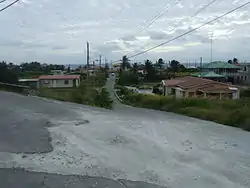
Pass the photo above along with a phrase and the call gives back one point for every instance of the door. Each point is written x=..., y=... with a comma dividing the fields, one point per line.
x=74, y=83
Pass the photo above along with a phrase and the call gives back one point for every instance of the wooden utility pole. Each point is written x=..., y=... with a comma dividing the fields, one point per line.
x=201, y=65
x=211, y=47
x=87, y=58
x=100, y=61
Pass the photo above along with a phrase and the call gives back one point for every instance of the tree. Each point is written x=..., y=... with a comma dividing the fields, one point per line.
x=160, y=63
x=125, y=63
x=128, y=78
x=235, y=61
x=7, y=75
x=230, y=61
x=182, y=68
x=135, y=67
x=150, y=70
x=174, y=65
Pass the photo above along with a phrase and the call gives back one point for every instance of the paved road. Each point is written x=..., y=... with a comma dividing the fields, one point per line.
x=46, y=143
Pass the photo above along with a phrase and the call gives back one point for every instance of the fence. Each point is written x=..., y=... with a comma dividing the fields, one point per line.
x=15, y=88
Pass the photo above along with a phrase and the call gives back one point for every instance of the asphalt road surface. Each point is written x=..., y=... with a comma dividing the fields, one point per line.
x=51, y=144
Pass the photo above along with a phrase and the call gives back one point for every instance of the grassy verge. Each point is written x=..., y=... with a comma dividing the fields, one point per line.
x=90, y=92
x=227, y=112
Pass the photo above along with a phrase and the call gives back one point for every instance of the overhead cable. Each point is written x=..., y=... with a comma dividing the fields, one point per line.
x=2, y=1
x=9, y=5
x=149, y=22
x=204, y=7
x=190, y=31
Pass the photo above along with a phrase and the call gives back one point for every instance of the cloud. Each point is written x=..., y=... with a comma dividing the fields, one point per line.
x=57, y=32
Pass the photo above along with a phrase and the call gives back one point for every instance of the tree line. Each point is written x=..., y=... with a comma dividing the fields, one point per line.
x=149, y=71
x=10, y=72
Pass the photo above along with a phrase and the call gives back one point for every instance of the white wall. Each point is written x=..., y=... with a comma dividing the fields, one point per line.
x=61, y=83
x=58, y=83
x=236, y=95
x=178, y=93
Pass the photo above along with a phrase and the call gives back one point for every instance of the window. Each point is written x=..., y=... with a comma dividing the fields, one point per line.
x=245, y=77
x=66, y=82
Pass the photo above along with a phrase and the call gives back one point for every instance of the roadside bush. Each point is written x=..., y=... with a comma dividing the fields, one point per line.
x=227, y=112
x=245, y=93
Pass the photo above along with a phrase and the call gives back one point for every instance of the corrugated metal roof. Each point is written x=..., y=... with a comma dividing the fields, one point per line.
x=195, y=83
x=59, y=77
x=219, y=65
x=29, y=80
x=210, y=74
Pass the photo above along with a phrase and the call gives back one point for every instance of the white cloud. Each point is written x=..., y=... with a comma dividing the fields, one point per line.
x=56, y=32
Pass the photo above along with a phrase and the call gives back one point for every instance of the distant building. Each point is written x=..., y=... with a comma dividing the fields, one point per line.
x=59, y=81
x=229, y=71
x=210, y=75
x=243, y=76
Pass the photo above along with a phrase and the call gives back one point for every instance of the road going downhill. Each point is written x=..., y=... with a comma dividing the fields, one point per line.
x=46, y=143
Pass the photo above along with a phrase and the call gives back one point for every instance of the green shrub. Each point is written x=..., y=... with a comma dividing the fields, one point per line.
x=227, y=112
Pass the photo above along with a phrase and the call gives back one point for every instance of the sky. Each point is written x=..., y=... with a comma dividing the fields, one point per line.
x=56, y=31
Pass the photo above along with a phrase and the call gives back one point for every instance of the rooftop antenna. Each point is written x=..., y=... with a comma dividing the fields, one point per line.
x=211, y=46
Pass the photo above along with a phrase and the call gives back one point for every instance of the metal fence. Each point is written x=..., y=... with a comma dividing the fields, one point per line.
x=15, y=88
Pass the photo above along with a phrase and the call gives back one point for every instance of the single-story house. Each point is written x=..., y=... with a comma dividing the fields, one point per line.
x=194, y=87
x=59, y=81
x=211, y=75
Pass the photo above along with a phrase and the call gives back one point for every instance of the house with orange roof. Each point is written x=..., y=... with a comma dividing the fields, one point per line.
x=194, y=87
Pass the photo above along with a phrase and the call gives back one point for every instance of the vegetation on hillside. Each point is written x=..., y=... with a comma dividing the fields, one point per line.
x=9, y=72
x=227, y=112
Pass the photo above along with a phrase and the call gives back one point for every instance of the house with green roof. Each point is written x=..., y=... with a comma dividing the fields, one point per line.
x=210, y=75
x=229, y=71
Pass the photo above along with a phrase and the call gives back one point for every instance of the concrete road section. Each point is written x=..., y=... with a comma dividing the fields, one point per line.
x=59, y=144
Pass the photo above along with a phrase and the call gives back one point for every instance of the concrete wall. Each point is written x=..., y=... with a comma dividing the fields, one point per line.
x=168, y=90
x=236, y=95
x=178, y=93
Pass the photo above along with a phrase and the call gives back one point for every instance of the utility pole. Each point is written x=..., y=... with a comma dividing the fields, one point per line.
x=100, y=61
x=200, y=65
x=211, y=47
x=106, y=61
x=87, y=58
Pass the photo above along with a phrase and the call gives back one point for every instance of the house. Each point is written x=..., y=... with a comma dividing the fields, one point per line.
x=194, y=87
x=222, y=68
x=59, y=81
x=116, y=67
x=243, y=76
x=210, y=75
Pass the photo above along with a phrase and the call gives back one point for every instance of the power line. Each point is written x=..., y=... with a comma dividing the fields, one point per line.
x=199, y=11
x=3, y=1
x=153, y=20
x=203, y=8
x=190, y=31
x=9, y=5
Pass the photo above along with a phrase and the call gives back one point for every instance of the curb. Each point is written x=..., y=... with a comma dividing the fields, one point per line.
x=118, y=97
